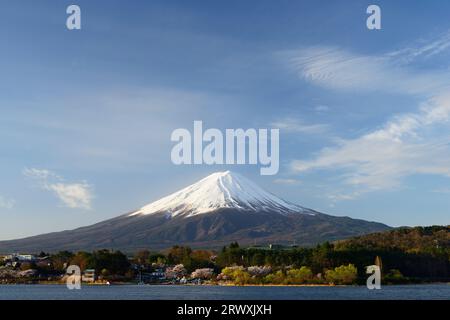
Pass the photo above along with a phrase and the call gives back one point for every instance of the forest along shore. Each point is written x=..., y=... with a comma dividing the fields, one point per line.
x=405, y=255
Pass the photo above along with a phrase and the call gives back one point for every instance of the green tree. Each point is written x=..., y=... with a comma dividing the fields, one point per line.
x=394, y=276
x=179, y=255
x=61, y=260
x=321, y=257
x=299, y=276
x=115, y=261
x=258, y=258
x=82, y=259
x=275, y=278
x=342, y=275
x=234, y=245
x=142, y=257
x=104, y=273
x=237, y=274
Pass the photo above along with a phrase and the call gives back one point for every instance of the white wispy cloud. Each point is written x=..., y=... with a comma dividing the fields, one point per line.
x=6, y=203
x=297, y=125
x=337, y=68
x=41, y=174
x=406, y=145
x=422, y=49
x=288, y=181
x=442, y=190
x=335, y=197
x=72, y=195
x=321, y=108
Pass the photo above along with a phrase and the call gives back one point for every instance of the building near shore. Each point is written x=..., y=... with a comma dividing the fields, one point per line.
x=20, y=257
x=88, y=275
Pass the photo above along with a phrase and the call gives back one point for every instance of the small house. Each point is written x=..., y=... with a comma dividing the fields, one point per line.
x=88, y=275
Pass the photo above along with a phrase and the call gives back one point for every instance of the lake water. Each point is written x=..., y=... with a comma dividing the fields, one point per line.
x=168, y=292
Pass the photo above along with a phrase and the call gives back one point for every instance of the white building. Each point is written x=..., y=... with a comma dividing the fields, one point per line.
x=19, y=257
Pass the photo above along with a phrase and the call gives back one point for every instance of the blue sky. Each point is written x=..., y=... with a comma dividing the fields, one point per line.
x=86, y=116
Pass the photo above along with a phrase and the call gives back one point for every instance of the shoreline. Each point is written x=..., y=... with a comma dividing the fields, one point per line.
x=216, y=285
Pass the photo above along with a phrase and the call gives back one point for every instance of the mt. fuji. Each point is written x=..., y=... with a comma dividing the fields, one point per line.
x=218, y=191
x=219, y=209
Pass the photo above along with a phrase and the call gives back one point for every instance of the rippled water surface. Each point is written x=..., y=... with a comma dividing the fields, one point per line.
x=152, y=292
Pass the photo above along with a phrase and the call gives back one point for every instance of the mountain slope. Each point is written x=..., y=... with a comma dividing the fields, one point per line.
x=412, y=239
x=221, y=208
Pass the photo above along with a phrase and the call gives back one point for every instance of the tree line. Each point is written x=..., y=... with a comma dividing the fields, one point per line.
x=404, y=255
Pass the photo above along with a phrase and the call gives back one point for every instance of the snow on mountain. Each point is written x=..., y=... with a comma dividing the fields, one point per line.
x=220, y=190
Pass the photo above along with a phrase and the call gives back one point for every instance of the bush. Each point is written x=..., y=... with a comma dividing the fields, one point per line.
x=228, y=273
x=299, y=276
x=237, y=274
x=242, y=277
x=394, y=276
x=275, y=278
x=104, y=272
x=342, y=275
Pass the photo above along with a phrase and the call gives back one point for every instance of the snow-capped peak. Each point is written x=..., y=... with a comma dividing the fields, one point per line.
x=220, y=190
